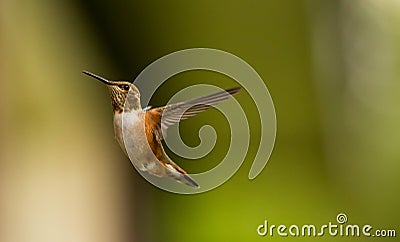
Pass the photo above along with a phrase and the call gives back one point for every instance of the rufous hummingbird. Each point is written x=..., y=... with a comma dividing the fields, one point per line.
x=149, y=125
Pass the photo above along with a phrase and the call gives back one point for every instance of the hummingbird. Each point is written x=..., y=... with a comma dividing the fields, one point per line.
x=149, y=125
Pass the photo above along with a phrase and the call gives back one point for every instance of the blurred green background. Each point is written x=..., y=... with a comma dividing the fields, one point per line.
x=332, y=68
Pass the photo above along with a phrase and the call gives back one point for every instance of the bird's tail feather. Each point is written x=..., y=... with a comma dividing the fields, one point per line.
x=177, y=173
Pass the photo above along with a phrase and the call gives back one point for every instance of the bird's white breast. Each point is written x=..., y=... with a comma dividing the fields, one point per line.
x=129, y=128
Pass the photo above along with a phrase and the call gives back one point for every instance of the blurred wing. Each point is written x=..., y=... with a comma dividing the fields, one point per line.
x=174, y=113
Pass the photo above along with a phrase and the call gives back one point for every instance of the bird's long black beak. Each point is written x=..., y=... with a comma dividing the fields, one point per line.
x=102, y=79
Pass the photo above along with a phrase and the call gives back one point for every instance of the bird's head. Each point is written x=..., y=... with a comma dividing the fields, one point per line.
x=119, y=93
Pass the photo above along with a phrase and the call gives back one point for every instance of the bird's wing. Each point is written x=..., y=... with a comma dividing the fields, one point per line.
x=157, y=121
x=174, y=113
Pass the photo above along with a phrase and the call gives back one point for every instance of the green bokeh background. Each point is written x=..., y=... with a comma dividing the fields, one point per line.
x=332, y=68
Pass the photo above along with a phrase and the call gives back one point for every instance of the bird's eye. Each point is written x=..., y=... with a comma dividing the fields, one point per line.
x=124, y=87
